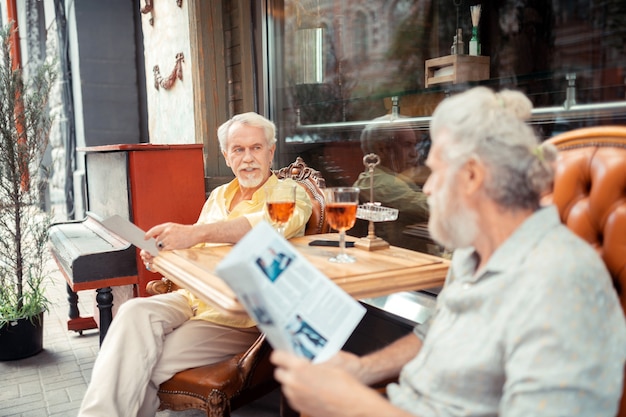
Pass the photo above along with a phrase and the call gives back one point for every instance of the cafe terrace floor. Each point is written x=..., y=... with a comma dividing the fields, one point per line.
x=53, y=382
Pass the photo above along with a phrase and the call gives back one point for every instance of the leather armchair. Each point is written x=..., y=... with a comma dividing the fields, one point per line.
x=590, y=193
x=224, y=386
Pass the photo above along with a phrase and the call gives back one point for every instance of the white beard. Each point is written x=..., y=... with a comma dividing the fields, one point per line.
x=250, y=180
x=451, y=224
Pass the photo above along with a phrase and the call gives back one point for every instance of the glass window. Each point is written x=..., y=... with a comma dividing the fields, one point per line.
x=360, y=38
x=339, y=66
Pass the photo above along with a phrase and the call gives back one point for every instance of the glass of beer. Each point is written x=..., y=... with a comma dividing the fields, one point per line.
x=341, y=205
x=280, y=201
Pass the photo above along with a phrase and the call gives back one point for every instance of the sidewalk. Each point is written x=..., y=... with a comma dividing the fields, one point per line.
x=53, y=382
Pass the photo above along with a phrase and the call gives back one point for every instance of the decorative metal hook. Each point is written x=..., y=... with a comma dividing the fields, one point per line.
x=149, y=8
x=373, y=211
x=371, y=160
x=177, y=72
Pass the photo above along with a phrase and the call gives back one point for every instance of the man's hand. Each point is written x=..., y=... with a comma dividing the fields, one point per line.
x=349, y=362
x=170, y=236
x=324, y=389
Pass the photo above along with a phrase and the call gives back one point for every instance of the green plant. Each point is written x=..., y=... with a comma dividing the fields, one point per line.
x=24, y=128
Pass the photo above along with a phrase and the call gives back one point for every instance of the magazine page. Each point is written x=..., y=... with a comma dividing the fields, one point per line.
x=294, y=304
x=131, y=233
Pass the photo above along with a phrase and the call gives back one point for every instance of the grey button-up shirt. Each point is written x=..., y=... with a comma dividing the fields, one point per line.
x=538, y=332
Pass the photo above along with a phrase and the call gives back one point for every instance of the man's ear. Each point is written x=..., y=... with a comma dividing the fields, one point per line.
x=225, y=158
x=273, y=151
x=381, y=149
x=473, y=175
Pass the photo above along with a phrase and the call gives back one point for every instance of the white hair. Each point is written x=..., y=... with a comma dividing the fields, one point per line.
x=248, y=119
x=490, y=127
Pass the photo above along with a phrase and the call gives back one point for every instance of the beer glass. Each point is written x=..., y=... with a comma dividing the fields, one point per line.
x=280, y=201
x=341, y=205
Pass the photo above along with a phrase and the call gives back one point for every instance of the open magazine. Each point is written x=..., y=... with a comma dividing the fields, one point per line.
x=298, y=308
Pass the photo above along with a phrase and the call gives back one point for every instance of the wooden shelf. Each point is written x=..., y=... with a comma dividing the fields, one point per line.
x=456, y=69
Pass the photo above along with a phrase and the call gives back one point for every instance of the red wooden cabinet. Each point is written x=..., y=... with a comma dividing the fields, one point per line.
x=148, y=184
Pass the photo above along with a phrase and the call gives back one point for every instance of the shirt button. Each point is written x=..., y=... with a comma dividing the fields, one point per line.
x=467, y=286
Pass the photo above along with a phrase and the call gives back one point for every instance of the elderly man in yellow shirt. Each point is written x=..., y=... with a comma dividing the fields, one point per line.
x=153, y=338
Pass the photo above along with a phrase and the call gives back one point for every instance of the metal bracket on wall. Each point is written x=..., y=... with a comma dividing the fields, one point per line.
x=177, y=72
x=149, y=8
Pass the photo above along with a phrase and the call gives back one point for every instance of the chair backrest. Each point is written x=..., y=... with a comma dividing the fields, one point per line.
x=590, y=193
x=313, y=182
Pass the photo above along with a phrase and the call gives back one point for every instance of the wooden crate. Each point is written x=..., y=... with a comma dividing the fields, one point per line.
x=456, y=69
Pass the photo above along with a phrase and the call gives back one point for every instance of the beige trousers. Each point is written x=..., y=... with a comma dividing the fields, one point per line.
x=150, y=339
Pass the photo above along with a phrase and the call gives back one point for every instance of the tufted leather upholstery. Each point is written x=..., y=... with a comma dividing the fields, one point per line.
x=224, y=386
x=313, y=182
x=590, y=193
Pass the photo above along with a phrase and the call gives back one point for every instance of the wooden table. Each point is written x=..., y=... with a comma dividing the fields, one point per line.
x=374, y=274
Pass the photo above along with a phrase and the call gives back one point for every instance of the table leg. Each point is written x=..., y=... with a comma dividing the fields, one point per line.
x=104, y=298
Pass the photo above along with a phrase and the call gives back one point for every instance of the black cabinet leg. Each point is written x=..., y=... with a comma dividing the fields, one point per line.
x=72, y=298
x=104, y=298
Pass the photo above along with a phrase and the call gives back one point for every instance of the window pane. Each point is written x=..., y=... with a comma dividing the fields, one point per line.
x=338, y=65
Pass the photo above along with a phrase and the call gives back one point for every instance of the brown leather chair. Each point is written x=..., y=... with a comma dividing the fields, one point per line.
x=224, y=386
x=590, y=193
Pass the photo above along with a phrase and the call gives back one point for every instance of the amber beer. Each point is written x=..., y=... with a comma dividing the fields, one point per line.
x=341, y=216
x=280, y=211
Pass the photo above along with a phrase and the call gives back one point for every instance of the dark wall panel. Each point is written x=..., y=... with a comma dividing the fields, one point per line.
x=111, y=72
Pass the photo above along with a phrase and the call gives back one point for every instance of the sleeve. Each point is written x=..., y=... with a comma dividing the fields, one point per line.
x=301, y=214
x=397, y=193
x=211, y=210
x=421, y=329
x=255, y=217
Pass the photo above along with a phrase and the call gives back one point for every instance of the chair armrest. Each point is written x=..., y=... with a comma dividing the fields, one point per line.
x=160, y=286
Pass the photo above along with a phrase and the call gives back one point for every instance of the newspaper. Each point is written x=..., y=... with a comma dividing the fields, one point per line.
x=131, y=233
x=298, y=308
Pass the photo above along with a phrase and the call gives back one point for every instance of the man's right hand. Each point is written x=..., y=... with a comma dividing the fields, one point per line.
x=170, y=236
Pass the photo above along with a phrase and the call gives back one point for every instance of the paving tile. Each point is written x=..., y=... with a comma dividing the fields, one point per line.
x=64, y=410
x=8, y=392
x=29, y=388
x=63, y=383
x=23, y=403
x=37, y=413
x=76, y=392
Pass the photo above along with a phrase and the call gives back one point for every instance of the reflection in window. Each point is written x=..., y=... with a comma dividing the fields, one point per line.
x=563, y=54
x=377, y=49
x=309, y=66
x=360, y=38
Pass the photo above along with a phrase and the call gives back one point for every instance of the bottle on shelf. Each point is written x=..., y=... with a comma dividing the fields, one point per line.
x=457, y=43
x=474, y=45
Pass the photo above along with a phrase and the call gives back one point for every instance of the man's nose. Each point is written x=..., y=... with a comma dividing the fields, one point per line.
x=247, y=155
x=427, y=188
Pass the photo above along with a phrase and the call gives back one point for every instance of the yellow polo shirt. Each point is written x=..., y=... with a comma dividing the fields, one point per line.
x=216, y=209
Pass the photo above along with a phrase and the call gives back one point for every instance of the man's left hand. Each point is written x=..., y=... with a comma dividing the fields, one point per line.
x=323, y=389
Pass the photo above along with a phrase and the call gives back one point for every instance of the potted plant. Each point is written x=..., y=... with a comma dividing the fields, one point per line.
x=24, y=127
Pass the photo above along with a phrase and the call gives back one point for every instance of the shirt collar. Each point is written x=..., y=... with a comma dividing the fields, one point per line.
x=513, y=250
x=258, y=195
